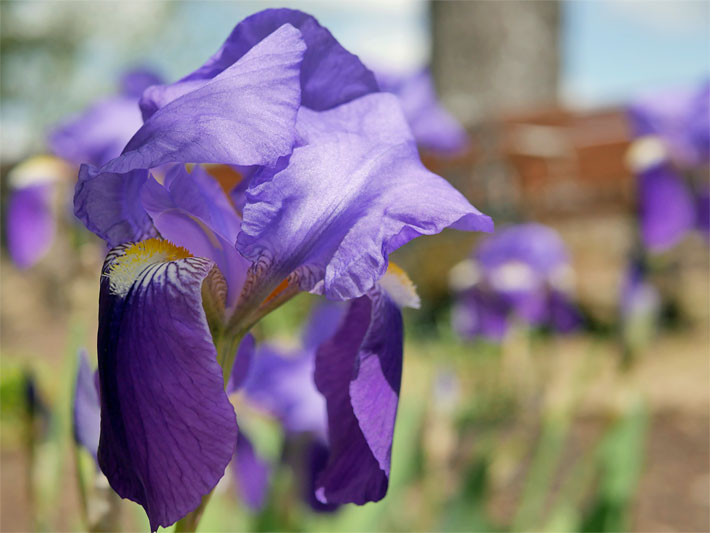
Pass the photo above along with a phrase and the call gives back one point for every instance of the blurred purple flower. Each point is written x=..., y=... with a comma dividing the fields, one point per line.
x=99, y=133
x=432, y=125
x=521, y=273
x=31, y=219
x=86, y=419
x=673, y=130
x=338, y=186
x=666, y=207
x=680, y=118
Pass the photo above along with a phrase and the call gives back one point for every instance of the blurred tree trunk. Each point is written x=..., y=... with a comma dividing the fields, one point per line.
x=492, y=55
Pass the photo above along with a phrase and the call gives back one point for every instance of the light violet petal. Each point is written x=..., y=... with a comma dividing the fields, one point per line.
x=109, y=205
x=245, y=115
x=352, y=193
x=330, y=75
x=86, y=408
x=191, y=210
x=251, y=474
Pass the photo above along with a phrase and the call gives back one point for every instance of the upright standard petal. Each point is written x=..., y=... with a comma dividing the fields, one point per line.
x=168, y=429
x=359, y=372
x=666, y=208
x=245, y=115
x=86, y=409
x=191, y=210
x=330, y=75
x=350, y=195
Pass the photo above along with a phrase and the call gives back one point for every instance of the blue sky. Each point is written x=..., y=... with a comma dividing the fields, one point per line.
x=612, y=50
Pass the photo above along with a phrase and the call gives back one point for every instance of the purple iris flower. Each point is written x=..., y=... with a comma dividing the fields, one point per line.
x=673, y=132
x=520, y=273
x=432, y=125
x=95, y=135
x=666, y=207
x=680, y=118
x=30, y=221
x=335, y=186
x=99, y=133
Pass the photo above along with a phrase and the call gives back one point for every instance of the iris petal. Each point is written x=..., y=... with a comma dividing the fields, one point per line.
x=330, y=75
x=350, y=195
x=359, y=372
x=191, y=210
x=667, y=208
x=31, y=225
x=87, y=409
x=168, y=429
x=244, y=116
x=251, y=474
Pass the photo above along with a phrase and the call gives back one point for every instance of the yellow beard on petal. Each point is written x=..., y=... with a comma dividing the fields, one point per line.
x=126, y=268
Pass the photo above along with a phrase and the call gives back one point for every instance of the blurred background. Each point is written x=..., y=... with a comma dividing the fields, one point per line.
x=570, y=110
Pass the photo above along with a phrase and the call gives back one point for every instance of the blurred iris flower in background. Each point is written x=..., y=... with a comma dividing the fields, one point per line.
x=520, y=274
x=336, y=185
x=434, y=128
x=39, y=187
x=670, y=158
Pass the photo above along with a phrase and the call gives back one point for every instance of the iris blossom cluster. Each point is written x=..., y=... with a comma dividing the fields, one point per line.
x=95, y=135
x=521, y=273
x=671, y=155
x=331, y=184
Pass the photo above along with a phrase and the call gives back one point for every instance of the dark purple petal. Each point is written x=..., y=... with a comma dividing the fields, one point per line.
x=168, y=429
x=191, y=210
x=330, y=75
x=109, y=205
x=251, y=474
x=283, y=386
x=481, y=313
x=316, y=459
x=245, y=115
x=242, y=364
x=666, y=207
x=98, y=134
x=30, y=223
x=359, y=373
x=86, y=408
x=432, y=125
x=353, y=193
